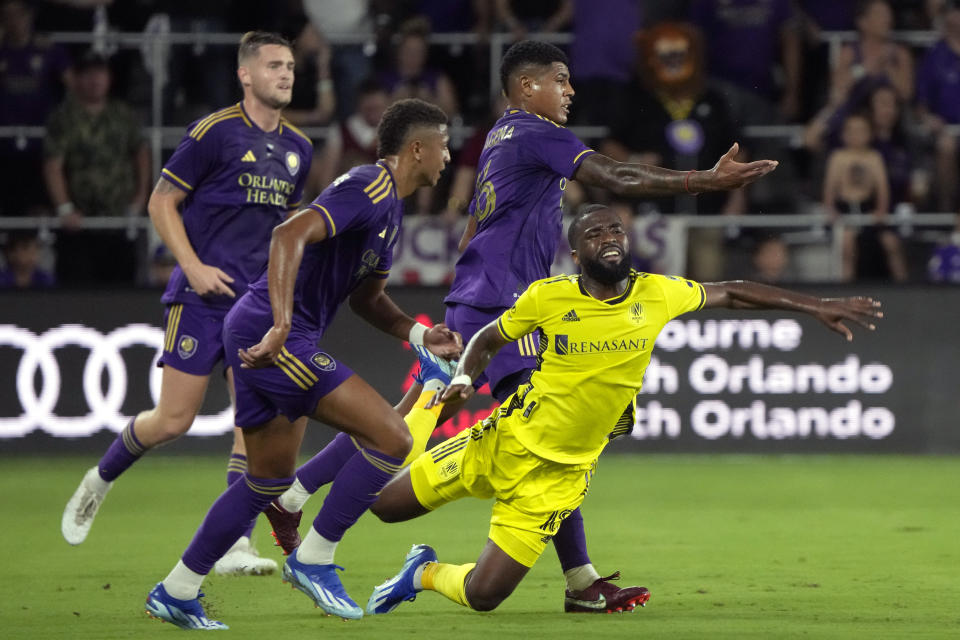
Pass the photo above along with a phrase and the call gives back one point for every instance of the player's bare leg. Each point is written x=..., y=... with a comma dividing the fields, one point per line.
x=181, y=395
x=381, y=442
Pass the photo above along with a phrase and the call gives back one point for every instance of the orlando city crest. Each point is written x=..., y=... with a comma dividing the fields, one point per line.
x=292, y=161
x=187, y=346
x=323, y=362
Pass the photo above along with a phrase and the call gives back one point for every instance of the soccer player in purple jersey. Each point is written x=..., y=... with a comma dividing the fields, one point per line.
x=511, y=240
x=340, y=247
x=234, y=177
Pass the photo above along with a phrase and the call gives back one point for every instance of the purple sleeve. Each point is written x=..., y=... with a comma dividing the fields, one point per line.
x=557, y=148
x=344, y=207
x=191, y=161
x=384, y=264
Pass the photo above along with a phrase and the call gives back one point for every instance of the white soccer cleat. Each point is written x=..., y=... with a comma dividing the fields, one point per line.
x=82, y=508
x=243, y=560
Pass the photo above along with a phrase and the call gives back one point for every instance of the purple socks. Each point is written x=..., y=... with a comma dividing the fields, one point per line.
x=354, y=489
x=236, y=467
x=322, y=468
x=232, y=514
x=121, y=455
x=570, y=541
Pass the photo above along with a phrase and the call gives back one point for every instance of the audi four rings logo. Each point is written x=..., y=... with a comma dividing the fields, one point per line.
x=39, y=354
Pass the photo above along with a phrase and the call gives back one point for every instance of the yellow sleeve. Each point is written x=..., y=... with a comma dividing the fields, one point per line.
x=523, y=317
x=682, y=295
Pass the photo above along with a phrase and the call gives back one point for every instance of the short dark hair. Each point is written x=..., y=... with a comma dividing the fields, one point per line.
x=400, y=118
x=528, y=52
x=573, y=231
x=251, y=42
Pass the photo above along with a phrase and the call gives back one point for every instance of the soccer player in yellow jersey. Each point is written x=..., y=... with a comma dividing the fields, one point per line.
x=536, y=455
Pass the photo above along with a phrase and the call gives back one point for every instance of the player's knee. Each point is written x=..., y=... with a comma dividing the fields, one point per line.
x=160, y=428
x=396, y=440
x=486, y=595
x=484, y=601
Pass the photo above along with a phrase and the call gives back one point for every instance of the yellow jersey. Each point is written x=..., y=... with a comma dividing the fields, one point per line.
x=591, y=358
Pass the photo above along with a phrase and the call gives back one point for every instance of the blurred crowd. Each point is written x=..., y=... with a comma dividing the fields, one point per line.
x=865, y=125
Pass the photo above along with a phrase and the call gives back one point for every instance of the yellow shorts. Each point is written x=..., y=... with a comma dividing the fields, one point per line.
x=533, y=495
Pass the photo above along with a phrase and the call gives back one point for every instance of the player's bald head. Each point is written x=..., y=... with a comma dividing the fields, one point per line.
x=528, y=56
x=580, y=220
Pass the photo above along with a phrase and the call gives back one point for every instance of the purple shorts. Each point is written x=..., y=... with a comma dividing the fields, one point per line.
x=514, y=358
x=192, y=340
x=292, y=387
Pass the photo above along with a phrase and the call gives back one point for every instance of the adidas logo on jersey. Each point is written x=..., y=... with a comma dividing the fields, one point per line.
x=248, y=157
x=571, y=316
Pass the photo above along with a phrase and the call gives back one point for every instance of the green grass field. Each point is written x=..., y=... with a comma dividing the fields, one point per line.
x=770, y=547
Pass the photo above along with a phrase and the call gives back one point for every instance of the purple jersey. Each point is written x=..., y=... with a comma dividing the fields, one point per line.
x=523, y=170
x=240, y=182
x=363, y=216
x=938, y=82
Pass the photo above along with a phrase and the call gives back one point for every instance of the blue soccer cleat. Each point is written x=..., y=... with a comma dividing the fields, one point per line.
x=322, y=584
x=387, y=596
x=433, y=367
x=186, y=614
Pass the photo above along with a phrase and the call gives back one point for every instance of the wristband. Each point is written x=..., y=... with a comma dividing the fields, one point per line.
x=463, y=379
x=686, y=183
x=64, y=209
x=416, y=334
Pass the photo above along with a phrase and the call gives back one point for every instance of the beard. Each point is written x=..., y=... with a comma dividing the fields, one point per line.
x=275, y=101
x=606, y=273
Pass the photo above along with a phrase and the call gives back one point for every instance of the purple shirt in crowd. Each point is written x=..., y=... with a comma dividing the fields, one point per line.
x=938, y=82
x=743, y=39
x=240, y=182
x=831, y=15
x=603, y=48
x=363, y=216
x=522, y=173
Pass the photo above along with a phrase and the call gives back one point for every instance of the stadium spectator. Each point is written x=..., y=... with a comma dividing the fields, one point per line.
x=944, y=265
x=819, y=16
x=314, y=99
x=32, y=72
x=352, y=141
x=747, y=41
x=22, y=268
x=521, y=17
x=235, y=175
x=874, y=58
x=938, y=101
x=602, y=58
x=770, y=260
x=678, y=122
x=350, y=64
x=893, y=138
x=536, y=457
x=411, y=76
x=96, y=163
x=856, y=183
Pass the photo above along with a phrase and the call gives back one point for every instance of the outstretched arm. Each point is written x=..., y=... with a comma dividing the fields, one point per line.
x=371, y=302
x=641, y=180
x=832, y=312
x=286, y=253
x=481, y=348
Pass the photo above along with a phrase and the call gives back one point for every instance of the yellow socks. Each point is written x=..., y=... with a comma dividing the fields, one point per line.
x=421, y=423
x=449, y=580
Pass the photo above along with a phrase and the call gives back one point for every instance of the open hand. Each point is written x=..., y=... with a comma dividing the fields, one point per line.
x=729, y=174
x=861, y=310
x=456, y=392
